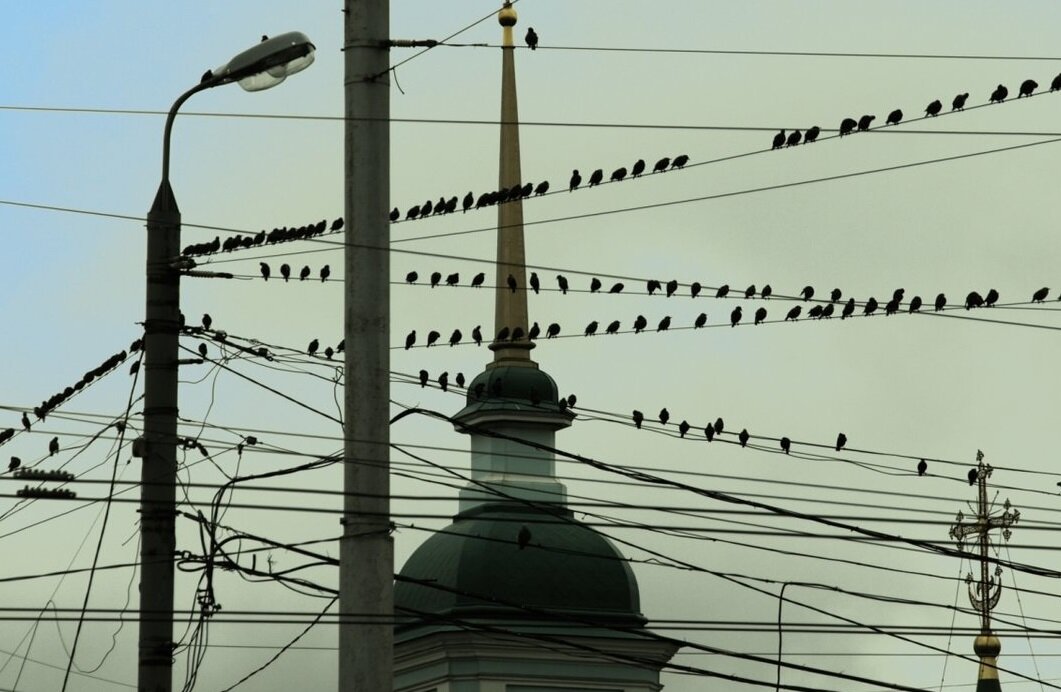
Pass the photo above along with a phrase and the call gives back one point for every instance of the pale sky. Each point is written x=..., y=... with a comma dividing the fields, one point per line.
x=909, y=386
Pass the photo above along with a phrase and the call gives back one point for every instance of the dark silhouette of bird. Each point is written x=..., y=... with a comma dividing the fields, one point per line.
x=701, y=320
x=591, y=328
x=661, y=165
x=679, y=161
x=894, y=117
x=898, y=294
x=664, y=324
x=807, y=292
x=672, y=286
x=467, y=202
x=870, y=306
x=750, y=291
x=432, y=337
x=933, y=109
x=414, y=211
x=915, y=304
x=827, y=311
x=786, y=444
x=534, y=333
x=425, y=210
x=265, y=270
x=973, y=475
x=562, y=282
x=638, y=169
x=847, y=126
x=423, y=378
x=410, y=339
x=694, y=289
x=793, y=314
x=734, y=317
x=511, y=281
x=683, y=428
x=460, y=379
x=958, y=104
x=202, y=350
x=552, y=330
x=865, y=121
x=722, y=291
x=502, y=335
x=849, y=309
x=811, y=134
x=443, y=381
x=652, y=285
x=523, y=538
x=394, y=215
x=313, y=346
x=478, y=279
x=25, y=421
x=612, y=328
x=133, y=369
x=639, y=324
x=535, y=284
x=709, y=432
x=285, y=271
x=594, y=285
x=576, y=180
x=453, y=279
x=999, y=94
x=1040, y=295
x=53, y=446
x=891, y=307
x=841, y=440
x=991, y=298
x=436, y=277
x=477, y=335
x=941, y=301
x=639, y=418
x=835, y=295
x=794, y=138
x=719, y=426
x=1027, y=87
x=541, y=188
x=922, y=466
x=207, y=320
x=779, y=140
x=616, y=288
x=304, y=273
x=411, y=277
x=743, y=436
x=531, y=38
x=816, y=311
x=618, y=174
x=766, y=292
x=664, y=416
x=14, y=463
x=326, y=271
x=760, y=315
x=973, y=300
x=596, y=177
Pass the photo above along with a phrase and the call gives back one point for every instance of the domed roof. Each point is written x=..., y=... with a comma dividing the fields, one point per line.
x=566, y=569
x=507, y=388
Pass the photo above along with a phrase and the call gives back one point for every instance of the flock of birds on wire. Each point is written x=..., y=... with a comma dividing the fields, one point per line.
x=277, y=235
x=850, y=125
x=522, y=191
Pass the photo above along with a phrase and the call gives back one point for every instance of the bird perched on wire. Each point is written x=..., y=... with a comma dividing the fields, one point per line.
x=616, y=288
x=541, y=188
x=744, y=436
x=922, y=466
x=202, y=350
x=304, y=274
x=265, y=270
x=870, y=307
x=477, y=335
x=326, y=271
x=596, y=177
x=394, y=215
x=894, y=117
x=618, y=174
x=991, y=298
x=652, y=285
x=683, y=428
x=552, y=330
x=973, y=300
x=865, y=121
x=999, y=94
x=1040, y=295
x=915, y=304
x=779, y=140
x=313, y=346
x=735, y=316
x=53, y=446
x=436, y=277
x=453, y=279
x=638, y=418
x=591, y=328
x=638, y=169
x=576, y=180
x=841, y=440
x=594, y=285
x=933, y=109
x=411, y=277
x=816, y=312
x=807, y=292
x=14, y=463
x=443, y=381
x=661, y=165
x=613, y=328
x=694, y=289
x=460, y=379
x=432, y=337
x=534, y=332
x=639, y=324
x=958, y=104
x=760, y=315
x=722, y=291
x=793, y=314
x=664, y=415
x=25, y=421
x=1027, y=87
x=502, y=335
x=811, y=134
x=531, y=38
x=701, y=320
x=794, y=138
x=410, y=339
x=973, y=475
x=847, y=126
x=664, y=324
x=786, y=444
x=511, y=280
x=285, y=271
x=672, y=286
x=423, y=378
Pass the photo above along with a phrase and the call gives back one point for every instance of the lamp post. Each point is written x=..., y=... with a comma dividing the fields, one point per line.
x=263, y=66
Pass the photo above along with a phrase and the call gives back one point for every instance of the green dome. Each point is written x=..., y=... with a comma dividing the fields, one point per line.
x=526, y=389
x=566, y=569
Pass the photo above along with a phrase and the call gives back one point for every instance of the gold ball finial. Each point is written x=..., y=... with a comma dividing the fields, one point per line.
x=507, y=15
x=987, y=645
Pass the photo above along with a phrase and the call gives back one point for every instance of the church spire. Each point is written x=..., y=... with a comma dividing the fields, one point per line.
x=510, y=309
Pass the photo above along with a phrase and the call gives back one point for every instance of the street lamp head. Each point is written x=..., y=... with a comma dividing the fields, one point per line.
x=268, y=63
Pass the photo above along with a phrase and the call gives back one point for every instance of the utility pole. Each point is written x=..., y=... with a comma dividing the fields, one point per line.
x=985, y=592
x=366, y=552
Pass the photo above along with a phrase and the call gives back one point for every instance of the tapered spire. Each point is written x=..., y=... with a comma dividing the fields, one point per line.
x=510, y=309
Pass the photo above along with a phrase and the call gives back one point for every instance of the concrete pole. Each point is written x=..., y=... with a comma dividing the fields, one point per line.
x=366, y=552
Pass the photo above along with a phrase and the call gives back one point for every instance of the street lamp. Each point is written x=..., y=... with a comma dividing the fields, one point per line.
x=261, y=67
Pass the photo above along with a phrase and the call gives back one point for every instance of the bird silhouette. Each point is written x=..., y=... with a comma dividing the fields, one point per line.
x=891, y=307
x=870, y=307
x=53, y=446
x=941, y=301
x=477, y=335
x=999, y=94
x=591, y=328
x=683, y=428
x=679, y=161
x=552, y=330
x=1040, y=295
x=841, y=440
x=672, y=286
x=835, y=295
x=719, y=426
x=304, y=273
x=794, y=138
x=394, y=215
x=436, y=277
x=958, y=104
x=285, y=271
x=14, y=463
x=616, y=288
x=816, y=311
x=1027, y=87
x=25, y=421
x=849, y=309
x=425, y=210
x=467, y=202
x=535, y=284
x=411, y=277
x=511, y=280
x=694, y=289
x=664, y=416
x=664, y=324
x=786, y=444
x=894, y=117
x=807, y=292
x=265, y=270
x=973, y=475
x=443, y=381
x=991, y=298
x=793, y=314
x=534, y=333
x=760, y=315
x=638, y=169
x=743, y=436
x=596, y=177
x=865, y=121
x=523, y=538
x=618, y=174
x=531, y=38
x=410, y=339
x=652, y=285
x=734, y=317
x=722, y=291
x=827, y=311
x=638, y=418
x=766, y=292
x=460, y=379
x=423, y=378
x=576, y=180
x=612, y=328
x=202, y=350
x=847, y=126
x=933, y=109
x=750, y=291
x=326, y=271
x=502, y=335
x=709, y=432
x=701, y=320
x=313, y=346
x=898, y=294
x=973, y=300
x=915, y=304
x=453, y=279
x=562, y=282
x=779, y=140
x=661, y=165
x=594, y=285
x=639, y=324
x=478, y=279
x=922, y=466
x=432, y=337
x=207, y=320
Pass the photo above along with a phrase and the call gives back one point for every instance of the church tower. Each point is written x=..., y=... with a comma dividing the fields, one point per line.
x=517, y=595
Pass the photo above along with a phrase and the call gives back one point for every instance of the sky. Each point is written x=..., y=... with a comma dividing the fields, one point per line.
x=901, y=387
